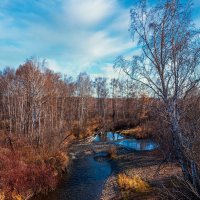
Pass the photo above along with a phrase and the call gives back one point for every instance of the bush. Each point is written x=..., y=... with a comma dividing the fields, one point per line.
x=19, y=178
x=132, y=183
x=26, y=171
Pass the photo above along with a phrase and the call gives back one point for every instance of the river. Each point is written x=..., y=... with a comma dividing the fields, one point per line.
x=89, y=174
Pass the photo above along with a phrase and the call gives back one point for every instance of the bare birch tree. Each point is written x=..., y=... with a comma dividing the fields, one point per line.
x=100, y=85
x=168, y=65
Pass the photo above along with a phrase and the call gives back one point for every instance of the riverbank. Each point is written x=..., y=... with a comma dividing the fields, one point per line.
x=144, y=165
x=95, y=172
x=90, y=168
x=27, y=170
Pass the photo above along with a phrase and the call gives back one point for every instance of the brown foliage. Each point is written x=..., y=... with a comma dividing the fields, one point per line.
x=27, y=171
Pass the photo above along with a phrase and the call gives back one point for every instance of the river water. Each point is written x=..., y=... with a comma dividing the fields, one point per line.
x=88, y=175
x=85, y=182
x=135, y=144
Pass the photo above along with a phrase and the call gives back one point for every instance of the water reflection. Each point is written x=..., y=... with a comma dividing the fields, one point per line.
x=139, y=145
x=89, y=174
x=109, y=136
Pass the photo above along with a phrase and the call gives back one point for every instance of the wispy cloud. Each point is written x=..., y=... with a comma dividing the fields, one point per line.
x=71, y=34
x=89, y=12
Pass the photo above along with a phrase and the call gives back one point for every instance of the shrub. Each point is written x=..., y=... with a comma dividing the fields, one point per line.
x=19, y=178
x=113, y=152
x=26, y=171
x=140, y=132
x=132, y=183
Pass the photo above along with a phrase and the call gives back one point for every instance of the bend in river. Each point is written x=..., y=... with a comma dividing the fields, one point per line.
x=89, y=173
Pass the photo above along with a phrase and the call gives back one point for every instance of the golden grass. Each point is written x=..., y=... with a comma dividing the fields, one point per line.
x=139, y=132
x=2, y=195
x=113, y=152
x=16, y=196
x=133, y=130
x=132, y=183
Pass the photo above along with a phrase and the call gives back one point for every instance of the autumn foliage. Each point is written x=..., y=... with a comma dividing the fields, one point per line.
x=26, y=171
x=42, y=111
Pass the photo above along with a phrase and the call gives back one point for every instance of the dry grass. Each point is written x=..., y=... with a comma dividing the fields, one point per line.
x=86, y=130
x=178, y=188
x=132, y=183
x=113, y=152
x=16, y=196
x=139, y=132
x=2, y=195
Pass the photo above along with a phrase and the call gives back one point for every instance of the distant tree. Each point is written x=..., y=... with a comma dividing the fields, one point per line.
x=84, y=91
x=114, y=86
x=100, y=85
x=31, y=87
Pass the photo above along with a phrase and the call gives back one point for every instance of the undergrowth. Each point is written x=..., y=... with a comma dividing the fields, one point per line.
x=26, y=171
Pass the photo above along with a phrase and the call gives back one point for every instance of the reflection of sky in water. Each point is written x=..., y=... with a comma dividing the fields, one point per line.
x=139, y=145
x=108, y=137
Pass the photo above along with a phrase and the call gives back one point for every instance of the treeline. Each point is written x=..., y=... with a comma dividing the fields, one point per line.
x=42, y=112
x=46, y=107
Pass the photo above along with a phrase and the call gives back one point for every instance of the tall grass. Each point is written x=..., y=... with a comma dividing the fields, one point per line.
x=132, y=183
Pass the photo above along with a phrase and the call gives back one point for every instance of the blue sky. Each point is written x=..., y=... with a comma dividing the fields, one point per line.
x=72, y=35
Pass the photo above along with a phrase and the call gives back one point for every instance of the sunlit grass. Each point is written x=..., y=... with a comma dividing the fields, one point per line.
x=140, y=132
x=2, y=195
x=16, y=196
x=132, y=183
x=113, y=152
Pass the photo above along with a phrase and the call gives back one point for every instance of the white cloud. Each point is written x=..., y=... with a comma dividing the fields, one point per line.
x=79, y=35
x=108, y=71
x=197, y=23
x=88, y=12
x=53, y=65
x=122, y=22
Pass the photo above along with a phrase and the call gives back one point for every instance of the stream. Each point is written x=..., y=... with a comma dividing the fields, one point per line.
x=131, y=143
x=88, y=174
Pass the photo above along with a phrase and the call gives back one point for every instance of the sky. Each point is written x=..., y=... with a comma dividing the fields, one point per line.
x=72, y=35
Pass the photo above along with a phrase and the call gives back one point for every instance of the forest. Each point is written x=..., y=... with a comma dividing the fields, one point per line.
x=135, y=136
